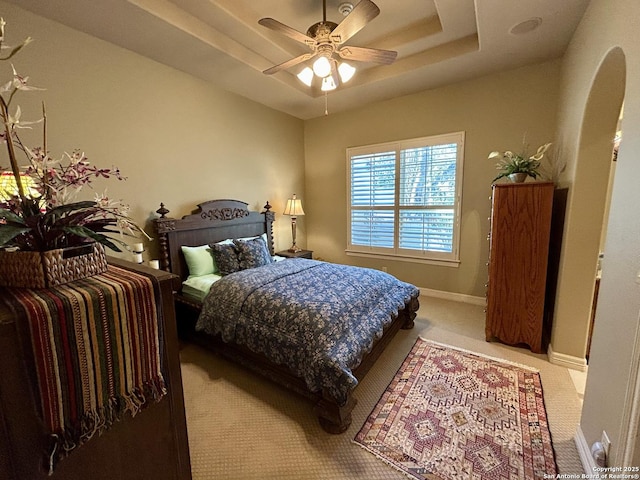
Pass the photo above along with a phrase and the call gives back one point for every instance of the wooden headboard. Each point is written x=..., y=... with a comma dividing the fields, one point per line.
x=211, y=222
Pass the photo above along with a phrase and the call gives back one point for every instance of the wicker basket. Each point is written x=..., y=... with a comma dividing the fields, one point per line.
x=51, y=268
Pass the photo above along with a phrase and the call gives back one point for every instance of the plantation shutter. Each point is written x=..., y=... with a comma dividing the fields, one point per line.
x=427, y=197
x=373, y=199
x=404, y=198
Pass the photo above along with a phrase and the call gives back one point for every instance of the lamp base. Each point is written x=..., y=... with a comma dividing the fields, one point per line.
x=294, y=249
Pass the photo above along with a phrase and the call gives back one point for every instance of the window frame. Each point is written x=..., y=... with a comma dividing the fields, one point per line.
x=396, y=253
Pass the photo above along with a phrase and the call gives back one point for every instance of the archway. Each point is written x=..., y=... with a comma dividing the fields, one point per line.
x=591, y=193
x=592, y=182
x=588, y=197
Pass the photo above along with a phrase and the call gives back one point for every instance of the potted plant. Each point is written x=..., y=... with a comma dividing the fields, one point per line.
x=518, y=166
x=47, y=236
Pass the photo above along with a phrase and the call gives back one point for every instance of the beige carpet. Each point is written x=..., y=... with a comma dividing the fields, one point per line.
x=244, y=427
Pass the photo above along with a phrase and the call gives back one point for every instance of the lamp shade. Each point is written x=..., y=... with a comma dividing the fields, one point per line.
x=306, y=76
x=9, y=187
x=346, y=71
x=328, y=84
x=322, y=67
x=294, y=207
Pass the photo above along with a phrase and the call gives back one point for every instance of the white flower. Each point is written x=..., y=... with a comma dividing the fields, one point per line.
x=541, y=151
x=15, y=122
x=18, y=83
x=510, y=162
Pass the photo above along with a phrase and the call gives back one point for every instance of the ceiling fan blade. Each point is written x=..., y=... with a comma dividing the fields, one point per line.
x=279, y=27
x=288, y=63
x=362, y=54
x=363, y=13
x=334, y=73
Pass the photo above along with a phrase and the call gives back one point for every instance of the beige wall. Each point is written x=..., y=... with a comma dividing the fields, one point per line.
x=178, y=139
x=495, y=112
x=607, y=44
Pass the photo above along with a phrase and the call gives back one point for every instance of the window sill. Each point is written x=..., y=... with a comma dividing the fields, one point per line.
x=404, y=258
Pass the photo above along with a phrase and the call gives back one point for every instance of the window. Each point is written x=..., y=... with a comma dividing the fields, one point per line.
x=404, y=198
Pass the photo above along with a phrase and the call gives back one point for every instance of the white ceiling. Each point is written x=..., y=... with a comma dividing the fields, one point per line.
x=438, y=41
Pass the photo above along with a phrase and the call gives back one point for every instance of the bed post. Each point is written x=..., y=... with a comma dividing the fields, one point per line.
x=164, y=225
x=269, y=218
x=410, y=312
x=334, y=418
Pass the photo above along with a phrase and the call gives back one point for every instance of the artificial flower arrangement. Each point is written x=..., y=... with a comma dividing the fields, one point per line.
x=511, y=163
x=42, y=213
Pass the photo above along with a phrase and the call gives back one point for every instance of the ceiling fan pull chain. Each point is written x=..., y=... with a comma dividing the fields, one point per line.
x=326, y=103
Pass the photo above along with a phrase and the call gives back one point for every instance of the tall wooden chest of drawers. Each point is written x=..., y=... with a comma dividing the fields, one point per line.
x=519, y=253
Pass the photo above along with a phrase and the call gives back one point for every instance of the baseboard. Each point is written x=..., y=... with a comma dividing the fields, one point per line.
x=588, y=463
x=458, y=297
x=567, y=361
x=561, y=359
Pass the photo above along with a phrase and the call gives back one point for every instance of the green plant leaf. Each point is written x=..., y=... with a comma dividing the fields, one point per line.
x=57, y=212
x=9, y=232
x=9, y=216
x=75, y=218
x=502, y=175
x=81, y=231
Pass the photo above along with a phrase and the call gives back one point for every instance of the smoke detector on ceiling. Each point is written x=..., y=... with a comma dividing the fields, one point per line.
x=345, y=8
x=526, y=26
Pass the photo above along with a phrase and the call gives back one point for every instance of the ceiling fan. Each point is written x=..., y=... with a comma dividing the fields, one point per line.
x=326, y=41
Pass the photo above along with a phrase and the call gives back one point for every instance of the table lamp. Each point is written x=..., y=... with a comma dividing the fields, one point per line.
x=294, y=209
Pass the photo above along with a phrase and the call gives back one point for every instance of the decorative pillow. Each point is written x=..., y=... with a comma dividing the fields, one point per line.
x=263, y=237
x=252, y=253
x=226, y=257
x=199, y=260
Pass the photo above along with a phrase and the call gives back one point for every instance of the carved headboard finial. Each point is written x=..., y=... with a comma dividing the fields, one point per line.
x=268, y=214
x=162, y=211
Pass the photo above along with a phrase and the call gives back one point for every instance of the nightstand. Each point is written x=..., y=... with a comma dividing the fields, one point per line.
x=301, y=254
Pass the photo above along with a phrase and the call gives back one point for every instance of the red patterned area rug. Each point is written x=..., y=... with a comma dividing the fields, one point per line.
x=453, y=414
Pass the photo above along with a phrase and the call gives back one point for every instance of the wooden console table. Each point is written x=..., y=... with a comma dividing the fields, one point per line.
x=153, y=444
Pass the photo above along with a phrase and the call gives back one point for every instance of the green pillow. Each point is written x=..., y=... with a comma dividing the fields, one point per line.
x=199, y=260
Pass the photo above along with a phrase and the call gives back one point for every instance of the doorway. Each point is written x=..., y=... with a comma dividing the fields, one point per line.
x=592, y=188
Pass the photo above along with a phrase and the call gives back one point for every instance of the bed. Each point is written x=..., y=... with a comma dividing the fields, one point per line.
x=235, y=317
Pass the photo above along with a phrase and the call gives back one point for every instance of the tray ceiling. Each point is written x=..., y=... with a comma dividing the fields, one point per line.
x=220, y=41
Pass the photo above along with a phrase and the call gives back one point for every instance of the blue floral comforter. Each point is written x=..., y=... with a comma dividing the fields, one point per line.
x=317, y=318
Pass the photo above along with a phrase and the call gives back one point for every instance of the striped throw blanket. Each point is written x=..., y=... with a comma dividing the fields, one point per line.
x=96, y=353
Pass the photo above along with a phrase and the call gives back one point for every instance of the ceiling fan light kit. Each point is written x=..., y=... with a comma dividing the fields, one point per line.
x=306, y=76
x=346, y=72
x=322, y=67
x=326, y=40
x=328, y=84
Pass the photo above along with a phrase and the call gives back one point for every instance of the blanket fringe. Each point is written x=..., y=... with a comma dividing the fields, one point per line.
x=52, y=455
x=98, y=421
